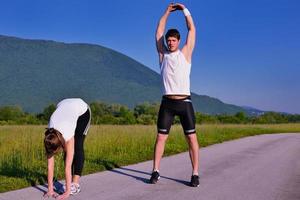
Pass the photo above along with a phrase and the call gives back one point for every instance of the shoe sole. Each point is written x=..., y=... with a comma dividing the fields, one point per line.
x=74, y=193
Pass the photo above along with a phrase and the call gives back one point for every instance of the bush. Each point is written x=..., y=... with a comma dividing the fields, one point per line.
x=11, y=113
x=144, y=113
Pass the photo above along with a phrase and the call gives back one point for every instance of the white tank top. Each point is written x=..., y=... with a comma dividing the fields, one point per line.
x=64, y=118
x=175, y=73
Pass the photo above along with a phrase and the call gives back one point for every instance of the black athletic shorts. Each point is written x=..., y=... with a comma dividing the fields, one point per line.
x=169, y=108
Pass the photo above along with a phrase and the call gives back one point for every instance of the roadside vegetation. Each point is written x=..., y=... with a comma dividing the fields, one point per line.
x=23, y=162
x=145, y=114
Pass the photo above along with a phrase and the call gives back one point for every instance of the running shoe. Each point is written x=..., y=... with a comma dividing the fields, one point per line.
x=75, y=188
x=154, y=177
x=195, y=181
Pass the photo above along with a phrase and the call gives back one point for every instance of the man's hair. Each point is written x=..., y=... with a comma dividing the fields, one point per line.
x=172, y=33
x=53, y=142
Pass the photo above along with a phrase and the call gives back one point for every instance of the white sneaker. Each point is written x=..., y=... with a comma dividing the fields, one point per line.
x=75, y=188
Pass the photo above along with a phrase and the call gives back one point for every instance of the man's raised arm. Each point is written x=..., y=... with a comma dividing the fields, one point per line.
x=160, y=31
x=188, y=48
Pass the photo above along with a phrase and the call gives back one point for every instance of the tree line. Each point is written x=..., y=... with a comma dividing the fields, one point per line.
x=145, y=113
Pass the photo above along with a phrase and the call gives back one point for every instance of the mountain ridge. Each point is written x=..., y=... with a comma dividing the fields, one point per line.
x=37, y=72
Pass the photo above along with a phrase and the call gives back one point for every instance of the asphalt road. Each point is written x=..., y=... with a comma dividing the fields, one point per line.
x=265, y=167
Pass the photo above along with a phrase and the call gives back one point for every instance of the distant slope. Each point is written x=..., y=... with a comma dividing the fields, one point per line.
x=209, y=105
x=254, y=111
x=35, y=73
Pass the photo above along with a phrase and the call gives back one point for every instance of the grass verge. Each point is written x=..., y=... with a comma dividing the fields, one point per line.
x=23, y=163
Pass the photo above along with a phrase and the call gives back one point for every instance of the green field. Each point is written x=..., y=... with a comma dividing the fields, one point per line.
x=23, y=163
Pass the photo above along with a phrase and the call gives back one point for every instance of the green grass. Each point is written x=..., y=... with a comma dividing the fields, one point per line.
x=23, y=163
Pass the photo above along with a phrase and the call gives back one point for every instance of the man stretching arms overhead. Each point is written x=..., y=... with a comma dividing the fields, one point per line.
x=175, y=66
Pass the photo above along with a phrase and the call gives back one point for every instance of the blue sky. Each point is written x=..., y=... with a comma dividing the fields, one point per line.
x=247, y=52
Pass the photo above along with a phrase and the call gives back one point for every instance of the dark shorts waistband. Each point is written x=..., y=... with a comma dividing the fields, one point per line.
x=186, y=99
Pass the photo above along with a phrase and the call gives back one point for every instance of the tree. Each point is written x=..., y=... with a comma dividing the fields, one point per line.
x=47, y=112
x=241, y=116
x=271, y=118
x=146, y=109
x=205, y=118
x=127, y=116
x=12, y=113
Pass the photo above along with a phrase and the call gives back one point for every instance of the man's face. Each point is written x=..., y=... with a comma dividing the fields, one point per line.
x=173, y=43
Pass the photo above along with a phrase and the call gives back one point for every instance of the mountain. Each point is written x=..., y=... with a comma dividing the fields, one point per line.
x=35, y=73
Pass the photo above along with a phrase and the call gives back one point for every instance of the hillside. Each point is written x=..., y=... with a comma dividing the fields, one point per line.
x=35, y=73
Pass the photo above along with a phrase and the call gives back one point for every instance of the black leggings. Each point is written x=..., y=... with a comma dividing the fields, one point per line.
x=82, y=127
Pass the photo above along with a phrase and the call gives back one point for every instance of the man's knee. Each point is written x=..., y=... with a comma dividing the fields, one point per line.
x=192, y=138
x=161, y=137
